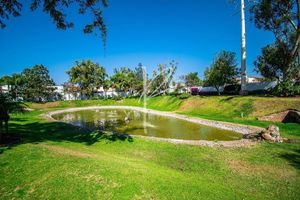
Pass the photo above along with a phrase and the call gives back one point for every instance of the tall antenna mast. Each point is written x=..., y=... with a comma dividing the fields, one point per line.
x=243, y=51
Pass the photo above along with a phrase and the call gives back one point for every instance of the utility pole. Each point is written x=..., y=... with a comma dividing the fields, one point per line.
x=243, y=51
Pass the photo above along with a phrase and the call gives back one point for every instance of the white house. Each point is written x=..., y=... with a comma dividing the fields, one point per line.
x=253, y=79
x=250, y=79
x=110, y=92
x=4, y=89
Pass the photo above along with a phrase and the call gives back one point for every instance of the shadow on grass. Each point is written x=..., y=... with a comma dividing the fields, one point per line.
x=227, y=98
x=293, y=158
x=36, y=132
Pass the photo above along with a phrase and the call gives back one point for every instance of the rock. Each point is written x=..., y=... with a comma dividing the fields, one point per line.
x=253, y=135
x=267, y=136
x=127, y=120
x=274, y=130
x=271, y=133
x=278, y=139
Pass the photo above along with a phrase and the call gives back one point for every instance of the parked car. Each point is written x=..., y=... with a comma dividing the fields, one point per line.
x=210, y=91
x=194, y=90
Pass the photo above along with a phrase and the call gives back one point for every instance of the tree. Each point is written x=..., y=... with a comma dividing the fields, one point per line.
x=123, y=79
x=88, y=76
x=138, y=83
x=56, y=10
x=106, y=85
x=15, y=84
x=275, y=63
x=222, y=71
x=38, y=85
x=7, y=106
x=70, y=88
x=162, y=77
x=191, y=79
x=282, y=18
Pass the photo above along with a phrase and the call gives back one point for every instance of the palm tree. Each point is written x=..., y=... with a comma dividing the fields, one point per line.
x=7, y=105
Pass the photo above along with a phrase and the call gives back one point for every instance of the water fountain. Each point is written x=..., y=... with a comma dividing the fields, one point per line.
x=146, y=85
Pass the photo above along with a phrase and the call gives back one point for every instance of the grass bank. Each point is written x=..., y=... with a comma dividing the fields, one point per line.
x=166, y=103
x=57, y=161
x=242, y=110
x=235, y=109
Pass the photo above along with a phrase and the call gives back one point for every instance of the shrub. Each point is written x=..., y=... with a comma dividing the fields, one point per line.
x=173, y=94
x=117, y=98
x=287, y=88
x=232, y=89
x=184, y=95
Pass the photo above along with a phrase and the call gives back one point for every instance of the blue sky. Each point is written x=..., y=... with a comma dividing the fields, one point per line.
x=191, y=32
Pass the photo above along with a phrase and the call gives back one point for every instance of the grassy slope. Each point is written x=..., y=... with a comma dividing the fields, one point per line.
x=231, y=109
x=57, y=161
x=166, y=103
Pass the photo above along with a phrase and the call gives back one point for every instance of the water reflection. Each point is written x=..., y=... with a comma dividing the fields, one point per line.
x=140, y=123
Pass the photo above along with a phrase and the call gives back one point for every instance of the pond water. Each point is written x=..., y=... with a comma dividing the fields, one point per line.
x=139, y=123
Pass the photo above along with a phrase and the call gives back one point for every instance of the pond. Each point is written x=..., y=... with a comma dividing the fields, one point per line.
x=134, y=122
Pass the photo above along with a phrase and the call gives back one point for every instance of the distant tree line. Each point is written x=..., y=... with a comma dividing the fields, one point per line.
x=32, y=84
x=279, y=61
x=86, y=77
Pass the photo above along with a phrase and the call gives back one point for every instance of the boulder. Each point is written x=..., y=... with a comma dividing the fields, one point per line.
x=267, y=136
x=271, y=133
x=274, y=130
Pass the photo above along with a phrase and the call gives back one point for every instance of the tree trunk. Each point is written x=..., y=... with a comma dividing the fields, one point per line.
x=218, y=90
x=295, y=51
x=6, y=127
x=1, y=131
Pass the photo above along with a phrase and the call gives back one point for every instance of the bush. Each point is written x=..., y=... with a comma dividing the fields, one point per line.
x=8, y=103
x=232, y=89
x=117, y=98
x=97, y=98
x=286, y=89
x=260, y=93
x=173, y=94
x=184, y=96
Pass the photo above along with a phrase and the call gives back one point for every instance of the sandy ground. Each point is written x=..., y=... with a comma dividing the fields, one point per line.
x=242, y=129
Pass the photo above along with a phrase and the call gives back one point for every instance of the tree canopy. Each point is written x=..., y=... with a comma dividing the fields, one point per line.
x=32, y=84
x=191, y=79
x=37, y=83
x=56, y=9
x=275, y=63
x=282, y=18
x=88, y=76
x=15, y=83
x=162, y=77
x=222, y=71
x=138, y=78
x=123, y=79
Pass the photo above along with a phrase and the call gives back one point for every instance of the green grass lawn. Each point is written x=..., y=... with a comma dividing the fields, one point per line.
x=58, y=161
